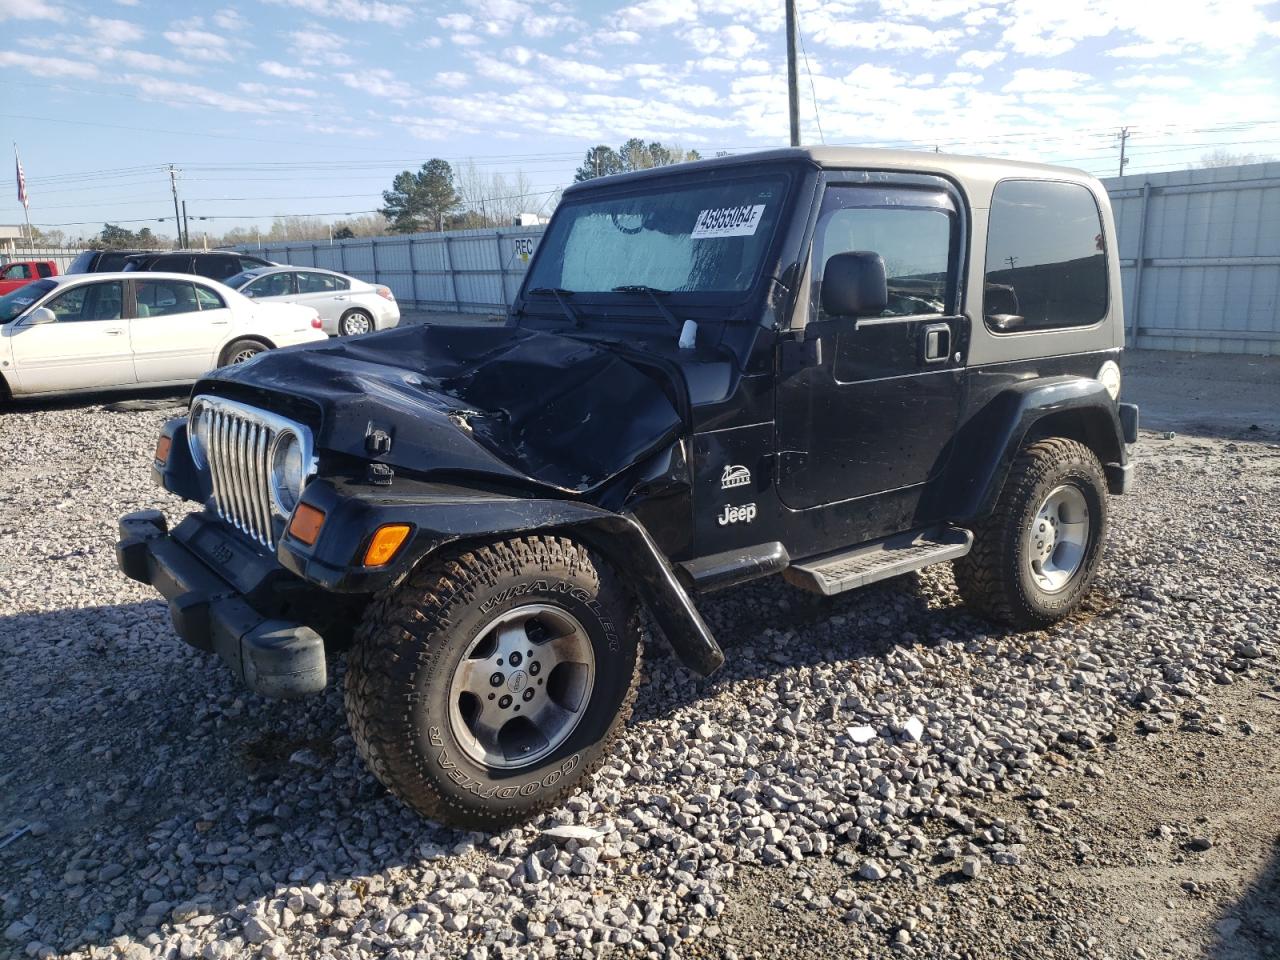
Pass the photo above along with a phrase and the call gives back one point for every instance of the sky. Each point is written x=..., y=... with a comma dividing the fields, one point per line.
x=311, y=106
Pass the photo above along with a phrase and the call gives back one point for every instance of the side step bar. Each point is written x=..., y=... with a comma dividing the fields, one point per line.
x=879, y=560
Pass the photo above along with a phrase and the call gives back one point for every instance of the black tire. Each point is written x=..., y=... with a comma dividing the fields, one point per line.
x=359, y=319
x=414, y=638
x=238, y=351
x=996, y=577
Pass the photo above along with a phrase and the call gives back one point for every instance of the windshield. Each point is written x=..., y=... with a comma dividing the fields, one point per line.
x=81, y=263
x=15, y=304
x=702, y=237
x=240, y=279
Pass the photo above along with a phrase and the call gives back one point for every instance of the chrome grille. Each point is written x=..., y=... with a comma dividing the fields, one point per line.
x=239, y=448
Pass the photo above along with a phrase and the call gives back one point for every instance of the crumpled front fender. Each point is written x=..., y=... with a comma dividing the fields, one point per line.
x=440, y=516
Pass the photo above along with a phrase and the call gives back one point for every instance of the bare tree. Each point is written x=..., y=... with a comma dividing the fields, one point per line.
x=1221, y=157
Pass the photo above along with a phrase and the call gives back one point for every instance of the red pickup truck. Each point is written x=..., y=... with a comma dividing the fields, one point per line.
x=22, y=272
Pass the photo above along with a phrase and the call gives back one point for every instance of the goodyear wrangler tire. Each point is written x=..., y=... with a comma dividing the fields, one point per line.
x=492, y=682
x=1034, y=559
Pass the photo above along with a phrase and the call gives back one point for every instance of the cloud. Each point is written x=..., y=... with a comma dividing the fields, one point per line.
x=138, y=60
x=229, y=19
x=650, y=14
x=962, y=78
x=273, y=68
x=378, y=83
x=1155, y=82
x=185, y=94
x=47, y=66
x=980, y=58
x=1050, y=80
x=263, y=90
x=452, y=79
x=199, y=44
x=357, y=11
x=734, y=41
x=114, y=31
x=316, y=47
x=884, y=35
x=456, y=21
x=30, y=10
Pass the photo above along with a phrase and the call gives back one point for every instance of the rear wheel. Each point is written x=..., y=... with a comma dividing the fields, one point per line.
x=1034, y=559
x=355, y=322
x=492, y=682
x=241, y=351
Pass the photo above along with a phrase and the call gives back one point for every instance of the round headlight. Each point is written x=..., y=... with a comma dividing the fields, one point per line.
x=288, y=472
x=1109, y=377
x=198, y=433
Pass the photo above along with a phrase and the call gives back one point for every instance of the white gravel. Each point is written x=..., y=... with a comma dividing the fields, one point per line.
x=161, y=811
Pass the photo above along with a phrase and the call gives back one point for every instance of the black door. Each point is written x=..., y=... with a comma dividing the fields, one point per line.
x=877, y=413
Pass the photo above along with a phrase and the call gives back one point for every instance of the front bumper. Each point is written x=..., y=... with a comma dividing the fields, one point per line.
x=272, y=657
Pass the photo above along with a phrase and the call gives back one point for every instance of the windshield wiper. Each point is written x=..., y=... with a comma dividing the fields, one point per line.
x=561, y=296
x=688, y=328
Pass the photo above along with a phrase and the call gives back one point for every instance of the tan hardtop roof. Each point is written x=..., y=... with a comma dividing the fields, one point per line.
x=972, y=171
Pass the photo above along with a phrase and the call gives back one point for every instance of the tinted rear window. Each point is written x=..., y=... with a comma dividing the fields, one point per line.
x=110, y=261
x=217, y=266
x=82, y=263
x=1046, y=257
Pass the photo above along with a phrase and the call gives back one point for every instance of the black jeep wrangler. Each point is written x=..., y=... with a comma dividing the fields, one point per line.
x=837, y=365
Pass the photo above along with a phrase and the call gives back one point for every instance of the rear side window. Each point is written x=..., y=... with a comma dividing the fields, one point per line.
x=207, y=299
x=217, y=266
x=319, y=283
x=172, y=263
x=110, y=262
x=83, y=263
x=43, y=270
x=161, y=298
x=1046, y=257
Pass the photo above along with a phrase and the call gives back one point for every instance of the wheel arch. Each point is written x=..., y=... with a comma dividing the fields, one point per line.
x=1077, y=408
x=446, y=521
x=253, y=337
x=373, y=320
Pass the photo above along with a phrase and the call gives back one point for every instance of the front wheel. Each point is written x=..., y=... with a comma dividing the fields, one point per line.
x=1034, y=559
x=491, y=683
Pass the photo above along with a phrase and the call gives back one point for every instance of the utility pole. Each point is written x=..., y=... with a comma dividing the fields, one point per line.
x=177, y=218
x=1123, y=136
x=186, y=229
x=793, y=89
x=1012, y=262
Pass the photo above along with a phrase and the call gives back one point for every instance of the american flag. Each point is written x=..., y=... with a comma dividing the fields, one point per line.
x=22, y=181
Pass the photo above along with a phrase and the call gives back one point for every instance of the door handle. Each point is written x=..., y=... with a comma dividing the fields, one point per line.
x=935, y=339
x=113, y=333
x=218, y=323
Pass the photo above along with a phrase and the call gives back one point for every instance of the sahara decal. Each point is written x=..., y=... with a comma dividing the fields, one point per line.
x=734, y=476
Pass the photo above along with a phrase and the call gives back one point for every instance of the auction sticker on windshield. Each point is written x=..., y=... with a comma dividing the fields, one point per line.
x=728, y=222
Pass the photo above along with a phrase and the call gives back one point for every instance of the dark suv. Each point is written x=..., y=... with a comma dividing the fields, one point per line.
x=214, y=264
x=103, y=261
x=837, y=365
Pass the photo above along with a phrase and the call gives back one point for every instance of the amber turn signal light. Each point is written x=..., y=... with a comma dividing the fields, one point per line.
x=162, y=449
x=386, y=541
x=306, y=523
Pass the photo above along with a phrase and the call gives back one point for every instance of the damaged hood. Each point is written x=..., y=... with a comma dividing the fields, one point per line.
x=488, y=400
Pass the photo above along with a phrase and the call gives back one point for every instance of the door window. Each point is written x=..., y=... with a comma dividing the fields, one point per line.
x=272, y=285
x=217, y=266
x=44, y=270
x=319, y=283
x=16, y=271
x=1046, y=257
x=173, y=263
x=89, y=301
x=207, y=299
x=163, y=298
x=914, y=231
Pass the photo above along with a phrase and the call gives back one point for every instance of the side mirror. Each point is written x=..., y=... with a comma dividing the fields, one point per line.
x=40, y=315
x=853, y=285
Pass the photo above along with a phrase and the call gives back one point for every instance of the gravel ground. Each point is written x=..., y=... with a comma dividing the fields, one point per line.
x=872, y=774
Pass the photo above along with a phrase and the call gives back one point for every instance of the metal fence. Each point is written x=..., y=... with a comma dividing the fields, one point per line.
x=62, y=256
x=1200, y=258
x=465, y=271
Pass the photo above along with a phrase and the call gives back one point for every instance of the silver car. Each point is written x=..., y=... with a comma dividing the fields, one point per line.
x=347, y=306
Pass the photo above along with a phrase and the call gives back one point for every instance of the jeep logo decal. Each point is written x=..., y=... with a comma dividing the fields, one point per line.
x=731, y=514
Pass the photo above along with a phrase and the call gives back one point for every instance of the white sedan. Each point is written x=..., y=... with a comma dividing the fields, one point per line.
x=93, y=331
x=347, y=306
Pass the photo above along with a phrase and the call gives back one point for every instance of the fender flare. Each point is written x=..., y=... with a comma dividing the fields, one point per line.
x=985, y=447
x=443, y=517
